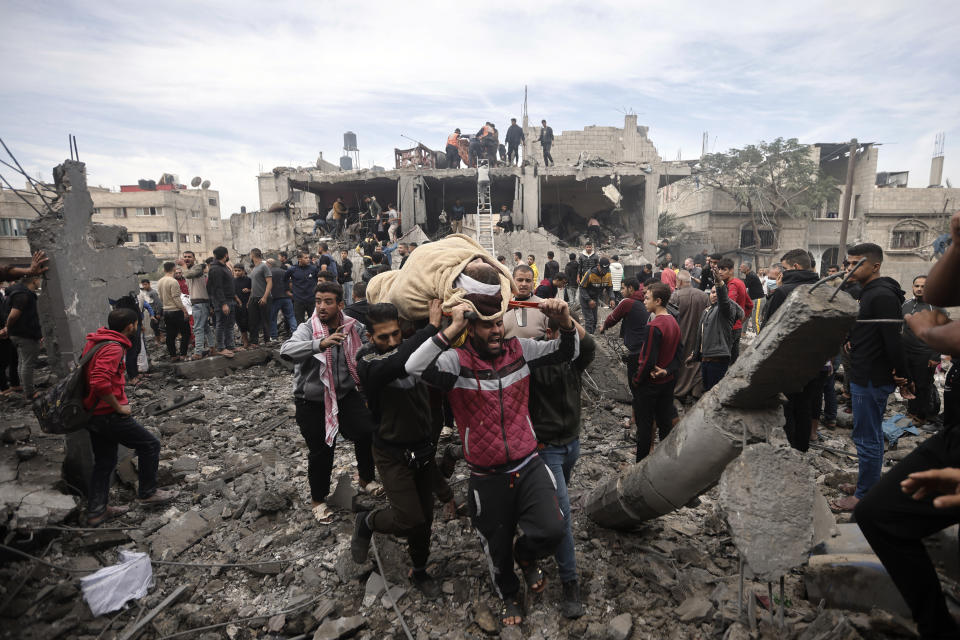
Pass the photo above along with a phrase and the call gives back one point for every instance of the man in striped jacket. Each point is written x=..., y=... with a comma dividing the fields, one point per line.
x=488, y=385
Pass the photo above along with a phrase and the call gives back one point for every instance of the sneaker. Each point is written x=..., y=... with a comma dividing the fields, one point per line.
x=360, y=542
x=571, y=607
x=159, y=497
x=426, y=584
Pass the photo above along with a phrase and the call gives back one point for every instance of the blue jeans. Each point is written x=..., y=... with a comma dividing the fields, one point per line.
x=560, y=460
x=106, y=432
x=868, y=402
x=225, y=322
x=347, y=292
x=203, y=336
x=283, y=305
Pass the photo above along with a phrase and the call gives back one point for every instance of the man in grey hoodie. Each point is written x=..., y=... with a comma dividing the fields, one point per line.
x=714, y=340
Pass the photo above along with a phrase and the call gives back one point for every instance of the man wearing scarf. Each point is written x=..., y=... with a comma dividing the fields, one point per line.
x=326, y=392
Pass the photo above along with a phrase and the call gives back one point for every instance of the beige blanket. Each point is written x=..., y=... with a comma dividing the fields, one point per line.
x=429, y=274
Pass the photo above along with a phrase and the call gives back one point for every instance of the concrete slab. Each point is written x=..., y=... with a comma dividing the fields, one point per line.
x=178, y=535
x=767, y=495
x=218, y=366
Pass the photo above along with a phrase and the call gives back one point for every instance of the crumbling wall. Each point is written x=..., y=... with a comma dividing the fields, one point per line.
x=88, y=266
x=267, y=230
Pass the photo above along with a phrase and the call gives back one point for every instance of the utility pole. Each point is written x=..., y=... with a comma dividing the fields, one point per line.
x=847, y=199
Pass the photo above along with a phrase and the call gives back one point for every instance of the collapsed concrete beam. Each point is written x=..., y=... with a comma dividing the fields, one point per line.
x=806, y=331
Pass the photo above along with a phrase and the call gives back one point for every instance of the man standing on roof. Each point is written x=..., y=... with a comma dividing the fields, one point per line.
x=546, y=141
x=453, y=150
x=514, y=139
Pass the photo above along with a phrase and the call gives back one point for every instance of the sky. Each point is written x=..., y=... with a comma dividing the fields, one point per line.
x=226, y=90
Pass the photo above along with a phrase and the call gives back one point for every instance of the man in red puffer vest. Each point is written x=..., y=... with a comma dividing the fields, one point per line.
x=111, y=423
x=488, y=385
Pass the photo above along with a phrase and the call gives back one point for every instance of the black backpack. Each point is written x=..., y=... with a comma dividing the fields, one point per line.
x=60, y=409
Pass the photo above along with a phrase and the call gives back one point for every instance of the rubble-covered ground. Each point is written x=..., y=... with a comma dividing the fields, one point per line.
x=240, y=464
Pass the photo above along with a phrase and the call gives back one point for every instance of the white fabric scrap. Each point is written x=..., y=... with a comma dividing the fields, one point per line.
x=111, y=587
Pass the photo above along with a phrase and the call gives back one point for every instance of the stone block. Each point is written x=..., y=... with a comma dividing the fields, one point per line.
x=855, y=581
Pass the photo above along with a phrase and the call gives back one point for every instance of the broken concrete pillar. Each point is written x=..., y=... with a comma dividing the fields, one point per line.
x=802, y=335
x=651, y=213
x=88, y=266
x=412, y=203
x=530, y=196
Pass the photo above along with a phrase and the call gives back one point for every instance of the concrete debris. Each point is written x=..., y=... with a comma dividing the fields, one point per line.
x=767, y=495
x=339, y=628
x=239, y=460
x=695, y=609
x=620, y=627
x=743, y=406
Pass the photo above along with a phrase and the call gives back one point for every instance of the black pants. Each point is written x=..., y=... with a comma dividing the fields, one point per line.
x=652, y=401
x=410, y=514
x=440, y=414
x=8, y=365
x=302, y=310
x=895, y=524
x=258, y=317
x=735, y=345
x=356, y=423
x=513, y=152
x=453, y=157
x=923, y=406
x=132, y=354
x=106, y=432
x=501, y=502
x=547, y=158
x=177, y=325
x=798, y=414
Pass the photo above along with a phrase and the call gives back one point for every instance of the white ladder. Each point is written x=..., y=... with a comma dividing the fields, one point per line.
x=484, y=226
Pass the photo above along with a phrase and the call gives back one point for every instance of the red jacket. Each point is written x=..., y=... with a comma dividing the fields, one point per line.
x=105, y=372
x=738, y=293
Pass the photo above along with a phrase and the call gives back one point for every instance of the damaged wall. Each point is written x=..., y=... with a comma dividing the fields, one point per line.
x=267, y=230
x=88, y=266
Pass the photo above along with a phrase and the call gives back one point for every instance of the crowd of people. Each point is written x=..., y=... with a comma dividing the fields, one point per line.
x=511, y=386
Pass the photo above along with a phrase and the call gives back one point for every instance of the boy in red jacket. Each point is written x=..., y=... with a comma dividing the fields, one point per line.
x=111, y=423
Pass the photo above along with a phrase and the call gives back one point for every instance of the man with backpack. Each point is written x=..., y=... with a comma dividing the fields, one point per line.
x=111, y=423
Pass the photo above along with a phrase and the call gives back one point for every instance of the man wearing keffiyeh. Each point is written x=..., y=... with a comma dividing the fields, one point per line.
x=327, y=393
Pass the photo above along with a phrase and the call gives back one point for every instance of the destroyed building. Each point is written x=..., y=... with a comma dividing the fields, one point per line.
x=558, y=198
x=904, y=221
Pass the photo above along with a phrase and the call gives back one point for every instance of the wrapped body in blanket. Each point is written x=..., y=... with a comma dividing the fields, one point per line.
x=455, y=269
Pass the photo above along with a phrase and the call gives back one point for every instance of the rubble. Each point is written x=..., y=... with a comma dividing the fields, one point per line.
x=237, y=450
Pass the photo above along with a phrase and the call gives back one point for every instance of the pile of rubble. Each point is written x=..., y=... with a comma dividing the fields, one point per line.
x=239, y=555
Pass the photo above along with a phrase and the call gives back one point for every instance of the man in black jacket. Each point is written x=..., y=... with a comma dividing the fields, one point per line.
x=555, y=411
x=22, y=327
x=798, y=410
x=921, y=359
x=403, y=447
x=514, y=139
x=223, y=299
x=878, y=364
x=919, y=496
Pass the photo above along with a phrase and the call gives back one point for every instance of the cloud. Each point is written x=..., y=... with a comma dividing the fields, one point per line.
x=220, y=90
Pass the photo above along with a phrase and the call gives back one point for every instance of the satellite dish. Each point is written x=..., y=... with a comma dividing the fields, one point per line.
x=195, y=182
x=205, y=185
